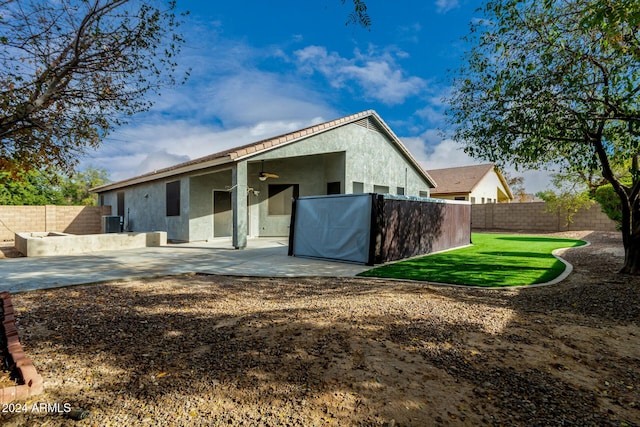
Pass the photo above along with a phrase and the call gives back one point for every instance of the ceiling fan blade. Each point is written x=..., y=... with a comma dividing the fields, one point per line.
x=270, y=175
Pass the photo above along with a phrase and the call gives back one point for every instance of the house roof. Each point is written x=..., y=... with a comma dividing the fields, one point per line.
x=464, y=179
x=246, y=151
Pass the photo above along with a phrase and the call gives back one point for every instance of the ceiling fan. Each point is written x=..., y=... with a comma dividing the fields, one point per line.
x=262, y=176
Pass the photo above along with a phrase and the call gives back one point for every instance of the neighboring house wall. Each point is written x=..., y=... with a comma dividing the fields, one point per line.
x=532, y=217
x=65, y=219
x=488, y=189
x=476, y=184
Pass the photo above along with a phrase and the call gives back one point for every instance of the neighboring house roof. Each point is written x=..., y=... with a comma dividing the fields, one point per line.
x=464, y=179
x=255, y=148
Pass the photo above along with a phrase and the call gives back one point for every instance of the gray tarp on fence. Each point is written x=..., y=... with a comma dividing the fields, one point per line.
x=333, y=227
x=373, y=228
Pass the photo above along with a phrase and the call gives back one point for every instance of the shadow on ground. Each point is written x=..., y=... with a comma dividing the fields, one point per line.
x=258, y=351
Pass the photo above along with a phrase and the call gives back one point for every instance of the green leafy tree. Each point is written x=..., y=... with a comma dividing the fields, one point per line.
x=610, y=203
x=566, y=199
x=33, y=187
x=72, y=70
x=359, y=15
x=618, y=21
x=542, y=85
x=30, y=187
x=75, y=188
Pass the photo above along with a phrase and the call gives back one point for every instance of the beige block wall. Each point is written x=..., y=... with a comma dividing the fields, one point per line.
x=65, y=219
x=532, y=217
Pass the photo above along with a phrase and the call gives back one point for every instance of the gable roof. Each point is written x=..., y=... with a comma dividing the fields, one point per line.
x=368, y=118
x=464, y=179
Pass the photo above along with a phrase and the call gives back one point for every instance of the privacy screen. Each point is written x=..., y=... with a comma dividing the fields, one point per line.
x=335, y=227
x=374, y=228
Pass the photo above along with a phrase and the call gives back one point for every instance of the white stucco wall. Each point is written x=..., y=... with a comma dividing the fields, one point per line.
x=487, y=188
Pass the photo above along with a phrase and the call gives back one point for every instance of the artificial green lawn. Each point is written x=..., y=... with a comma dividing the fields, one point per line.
x=492, y=260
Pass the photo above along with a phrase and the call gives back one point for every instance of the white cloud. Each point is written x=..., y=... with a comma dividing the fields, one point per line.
x=252, y=96
x=158, y=160
x=433, y=152
x=447, y=154
x=137, y=150
x=444, y=6
x=377, y=74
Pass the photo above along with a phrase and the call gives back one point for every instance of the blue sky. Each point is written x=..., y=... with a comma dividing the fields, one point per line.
x=260, y=69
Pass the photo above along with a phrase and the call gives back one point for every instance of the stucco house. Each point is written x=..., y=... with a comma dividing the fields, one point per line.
x=247, y=191
x=477, y=184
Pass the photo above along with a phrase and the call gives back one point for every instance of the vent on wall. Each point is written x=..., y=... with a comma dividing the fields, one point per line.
x=369, y=124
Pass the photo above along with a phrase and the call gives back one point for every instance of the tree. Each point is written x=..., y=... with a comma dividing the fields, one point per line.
x=46, y=187
x=609, y=203
x=516, y=185
x=359, y=16
x=30, y=187
x=75, y=188
x=567, y=197
x=541, y=86
x=618, y=21
x=72, y=70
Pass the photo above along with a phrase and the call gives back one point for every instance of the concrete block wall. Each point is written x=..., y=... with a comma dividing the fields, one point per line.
x=65, y=219
x=532, y=217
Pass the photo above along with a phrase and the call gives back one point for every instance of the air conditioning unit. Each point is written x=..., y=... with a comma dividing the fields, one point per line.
x=111, y=224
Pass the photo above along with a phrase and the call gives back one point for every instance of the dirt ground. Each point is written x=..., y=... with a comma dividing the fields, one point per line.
x=214, y=350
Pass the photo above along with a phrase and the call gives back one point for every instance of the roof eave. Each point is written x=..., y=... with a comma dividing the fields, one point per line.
x=161, y=174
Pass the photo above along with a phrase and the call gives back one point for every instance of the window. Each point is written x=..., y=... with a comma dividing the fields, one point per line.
x=400, y=191
x=358, y=187
x=173, y=198
x=120, y=203
x=459, y=198
x=424, y=194
x=483, y=200
x=381, y=189
x=333, y=188
x=280, y=196
x=473, y=200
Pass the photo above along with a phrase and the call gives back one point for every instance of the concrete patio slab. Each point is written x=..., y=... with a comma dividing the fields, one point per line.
x=262, y=257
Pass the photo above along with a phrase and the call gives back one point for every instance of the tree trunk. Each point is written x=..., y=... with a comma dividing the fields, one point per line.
x=631, y=237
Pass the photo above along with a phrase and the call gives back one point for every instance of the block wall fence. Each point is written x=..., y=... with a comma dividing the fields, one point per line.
x=65, y=219
x=532, y=217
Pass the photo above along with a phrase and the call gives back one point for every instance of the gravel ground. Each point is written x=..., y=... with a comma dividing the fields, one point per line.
x=214, y=350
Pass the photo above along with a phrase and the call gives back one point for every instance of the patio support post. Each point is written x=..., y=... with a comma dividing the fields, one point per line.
x=239, y=204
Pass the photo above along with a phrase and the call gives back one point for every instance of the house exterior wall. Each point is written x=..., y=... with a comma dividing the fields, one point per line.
x=201, y=190
x=350, y=154
x=311, y=173
x=371, y=158
x=146, y=208
x=346, y=154
x=487, y=189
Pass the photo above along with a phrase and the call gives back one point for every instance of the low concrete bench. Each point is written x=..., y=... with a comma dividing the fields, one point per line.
x=32, y=244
